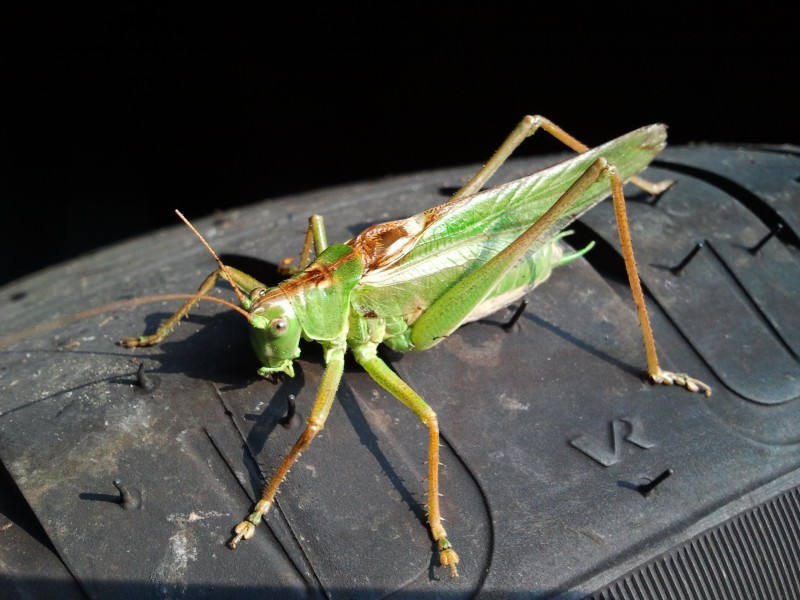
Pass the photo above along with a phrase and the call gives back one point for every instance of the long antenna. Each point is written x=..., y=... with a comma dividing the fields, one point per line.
x=44, y=327
x=236, y=290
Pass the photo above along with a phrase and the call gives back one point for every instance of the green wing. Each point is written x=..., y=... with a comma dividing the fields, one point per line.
x=460, y=235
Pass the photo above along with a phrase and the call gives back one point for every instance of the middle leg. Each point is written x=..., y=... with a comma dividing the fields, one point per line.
x=389, y=380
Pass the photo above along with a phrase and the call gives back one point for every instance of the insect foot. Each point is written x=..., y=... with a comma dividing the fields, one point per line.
x=247, y=528
x=681, y=379
x=134, y=342
x=286, y=268
x=448, y=557
x=244, y=531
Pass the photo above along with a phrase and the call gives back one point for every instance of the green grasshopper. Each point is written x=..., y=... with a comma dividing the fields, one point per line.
x=410, y=283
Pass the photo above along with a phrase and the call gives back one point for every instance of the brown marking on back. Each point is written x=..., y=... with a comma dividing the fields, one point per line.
x=385, y=243
x=382, y=245
x=272, y=295
x=315, y=275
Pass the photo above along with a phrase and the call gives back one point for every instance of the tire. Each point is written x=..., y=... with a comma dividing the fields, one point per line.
x=551, y=433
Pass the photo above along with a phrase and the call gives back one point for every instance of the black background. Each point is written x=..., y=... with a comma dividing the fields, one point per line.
x=113, y=118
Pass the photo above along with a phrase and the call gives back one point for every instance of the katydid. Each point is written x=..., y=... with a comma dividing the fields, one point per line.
x=412, y=282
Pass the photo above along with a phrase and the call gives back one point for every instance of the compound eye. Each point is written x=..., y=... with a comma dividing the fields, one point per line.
x=278, y=326
x=257, y=293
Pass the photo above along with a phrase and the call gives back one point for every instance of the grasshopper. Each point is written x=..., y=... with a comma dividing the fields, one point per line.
x=412, y=282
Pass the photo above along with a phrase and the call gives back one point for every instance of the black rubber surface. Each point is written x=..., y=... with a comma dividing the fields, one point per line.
x=550, y=429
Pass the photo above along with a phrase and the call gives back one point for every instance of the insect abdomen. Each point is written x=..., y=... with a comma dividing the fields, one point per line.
x=534, y=269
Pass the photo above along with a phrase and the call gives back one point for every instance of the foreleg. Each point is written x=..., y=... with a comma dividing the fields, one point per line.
x=334, y=358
